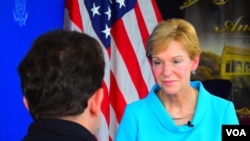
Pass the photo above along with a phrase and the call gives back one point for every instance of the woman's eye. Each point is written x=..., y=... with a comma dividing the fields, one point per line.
x=156, y=62
x=177, y=61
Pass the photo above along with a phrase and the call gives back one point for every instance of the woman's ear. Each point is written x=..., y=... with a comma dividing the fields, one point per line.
x=196, y=61
x=25, y=102
x=96, y=102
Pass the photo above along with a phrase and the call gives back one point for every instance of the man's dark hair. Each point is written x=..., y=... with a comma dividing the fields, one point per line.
x=60, y=73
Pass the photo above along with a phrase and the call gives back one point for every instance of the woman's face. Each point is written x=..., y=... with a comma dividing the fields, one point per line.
x=172, y=68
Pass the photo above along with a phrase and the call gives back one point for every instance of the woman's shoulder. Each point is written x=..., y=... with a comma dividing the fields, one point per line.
x=140, y=103
x=145, y=103
x=150, y=97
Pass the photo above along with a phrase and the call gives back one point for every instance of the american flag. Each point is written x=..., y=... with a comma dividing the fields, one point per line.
x=122, y=27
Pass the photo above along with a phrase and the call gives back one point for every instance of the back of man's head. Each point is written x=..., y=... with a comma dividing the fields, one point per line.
x=60, y=73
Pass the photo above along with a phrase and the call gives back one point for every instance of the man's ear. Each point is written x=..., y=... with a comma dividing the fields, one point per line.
x=96, y=102
x=25, y=102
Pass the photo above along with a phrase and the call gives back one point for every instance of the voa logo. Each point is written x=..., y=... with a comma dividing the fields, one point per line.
x=236, y=132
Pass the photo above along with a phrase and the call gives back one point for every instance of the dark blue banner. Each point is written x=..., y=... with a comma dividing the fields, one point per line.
x=21, y=21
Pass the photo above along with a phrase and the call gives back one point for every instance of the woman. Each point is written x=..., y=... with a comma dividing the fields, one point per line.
x=176, y=108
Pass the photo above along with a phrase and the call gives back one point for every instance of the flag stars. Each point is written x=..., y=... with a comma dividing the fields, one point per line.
x=95, y=9
x=106, y=31
x=108, y=13
x=121, y=3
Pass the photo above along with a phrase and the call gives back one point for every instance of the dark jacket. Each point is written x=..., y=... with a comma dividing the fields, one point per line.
x=57, y=130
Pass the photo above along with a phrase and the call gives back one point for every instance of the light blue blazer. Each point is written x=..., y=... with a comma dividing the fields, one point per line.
x=147, y=119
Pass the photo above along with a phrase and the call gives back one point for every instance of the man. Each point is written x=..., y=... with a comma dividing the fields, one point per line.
x=61, y=79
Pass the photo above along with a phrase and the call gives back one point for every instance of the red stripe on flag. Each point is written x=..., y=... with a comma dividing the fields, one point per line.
x=105, y=103
x=156, y=11
x=126, y=50
x=74, y=12
x=142, y=26
x=116, y=98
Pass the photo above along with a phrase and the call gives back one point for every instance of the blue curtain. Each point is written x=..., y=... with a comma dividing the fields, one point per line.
x=21, y=21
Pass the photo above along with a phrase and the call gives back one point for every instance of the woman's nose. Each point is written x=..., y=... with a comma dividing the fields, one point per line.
x=167, y=69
